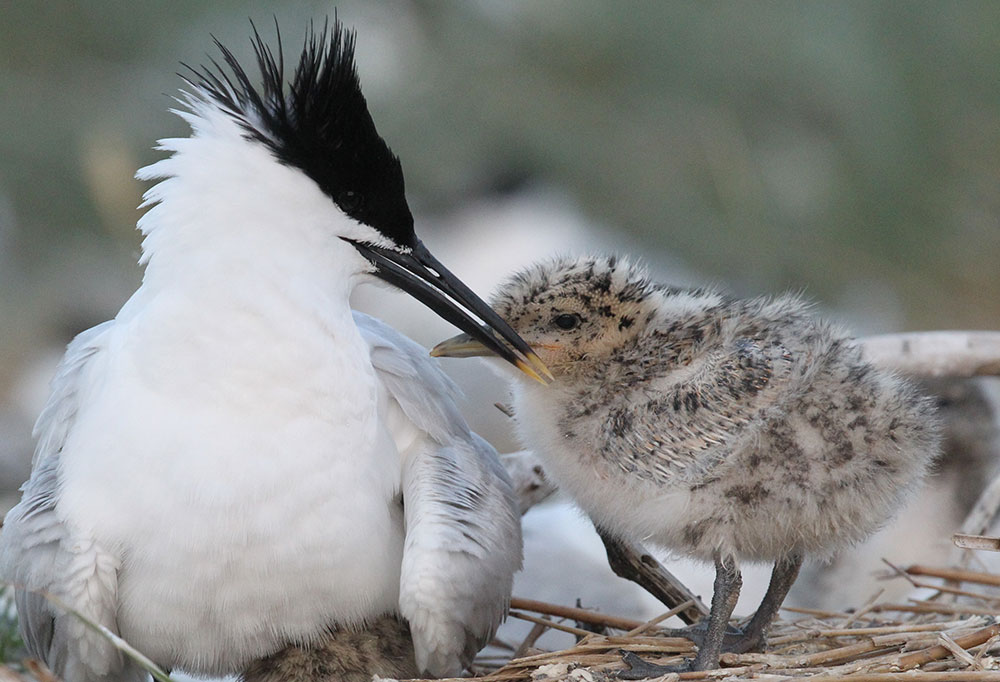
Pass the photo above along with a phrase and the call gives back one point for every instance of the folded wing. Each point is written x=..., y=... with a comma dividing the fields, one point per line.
x=463, y=537
x=47, y=560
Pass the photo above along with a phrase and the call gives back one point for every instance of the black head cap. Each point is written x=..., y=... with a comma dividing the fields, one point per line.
x=319, y=123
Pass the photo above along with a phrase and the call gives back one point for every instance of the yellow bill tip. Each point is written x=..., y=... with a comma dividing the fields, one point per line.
x=530, y=371
x=537, y=363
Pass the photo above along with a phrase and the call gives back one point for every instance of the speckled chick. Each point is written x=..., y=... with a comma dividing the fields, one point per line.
x=722, y=429
x=384, y=649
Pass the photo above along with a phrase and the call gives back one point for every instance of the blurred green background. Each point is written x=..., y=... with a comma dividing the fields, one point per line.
x=848, y=149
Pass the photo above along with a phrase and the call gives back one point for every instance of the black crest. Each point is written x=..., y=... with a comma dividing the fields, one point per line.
x=319, y=123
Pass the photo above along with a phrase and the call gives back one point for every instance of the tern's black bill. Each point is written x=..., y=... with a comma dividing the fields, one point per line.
x=421, y=275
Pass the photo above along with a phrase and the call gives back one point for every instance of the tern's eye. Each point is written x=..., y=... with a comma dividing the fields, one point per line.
x=566, y=321
x=350, y=201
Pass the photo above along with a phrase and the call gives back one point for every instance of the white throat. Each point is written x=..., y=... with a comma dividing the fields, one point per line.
x=227, y=214
x=247, y=280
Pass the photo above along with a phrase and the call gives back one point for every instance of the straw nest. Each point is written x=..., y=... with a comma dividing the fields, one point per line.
x=952, y=633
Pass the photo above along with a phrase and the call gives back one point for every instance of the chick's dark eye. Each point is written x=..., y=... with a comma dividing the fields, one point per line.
x=567, y=321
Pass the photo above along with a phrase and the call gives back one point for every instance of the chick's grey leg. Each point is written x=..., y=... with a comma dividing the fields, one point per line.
x=755, y=632
x=728, y=582
x=726, y=592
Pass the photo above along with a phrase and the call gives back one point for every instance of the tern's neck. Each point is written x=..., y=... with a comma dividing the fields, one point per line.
x=241, y=257
x=228, y=219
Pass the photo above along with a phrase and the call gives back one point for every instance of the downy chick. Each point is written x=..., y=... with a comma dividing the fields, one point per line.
x=382, y=649
x=726, y=430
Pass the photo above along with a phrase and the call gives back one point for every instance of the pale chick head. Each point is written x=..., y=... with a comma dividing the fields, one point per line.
x=574, y=311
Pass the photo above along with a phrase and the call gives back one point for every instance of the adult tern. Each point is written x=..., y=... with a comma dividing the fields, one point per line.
x=238, y=461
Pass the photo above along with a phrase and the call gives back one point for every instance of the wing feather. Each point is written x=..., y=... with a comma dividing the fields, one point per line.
x=41, y=555
x=463, y=533
x=422, y=390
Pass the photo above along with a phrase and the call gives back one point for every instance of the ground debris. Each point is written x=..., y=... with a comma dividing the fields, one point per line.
x=952, y=636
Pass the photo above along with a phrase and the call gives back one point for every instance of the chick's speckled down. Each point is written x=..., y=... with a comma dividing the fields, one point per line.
x=382, y=649
x=710, y=425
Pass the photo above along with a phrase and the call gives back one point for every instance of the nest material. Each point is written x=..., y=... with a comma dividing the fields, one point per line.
x=953, y=635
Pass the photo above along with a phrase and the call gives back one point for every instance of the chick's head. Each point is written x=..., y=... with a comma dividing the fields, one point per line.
x=573, y=311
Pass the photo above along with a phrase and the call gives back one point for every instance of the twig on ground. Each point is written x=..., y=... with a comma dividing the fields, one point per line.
x=868, y=606
x=983, y=511
x=936, y=652
x=814, y=612
x=958, y=652
x=981, y=542
x=537, y=631
x=631, y=561
x=920, y=606
x=922, y=584
x=956, y=574
x=944, y=676
x=582, y=615
x=550, y=624
x=649, y=624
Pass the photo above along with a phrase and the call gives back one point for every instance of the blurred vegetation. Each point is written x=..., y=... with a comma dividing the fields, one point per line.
x=849, y=148
x=12, y=650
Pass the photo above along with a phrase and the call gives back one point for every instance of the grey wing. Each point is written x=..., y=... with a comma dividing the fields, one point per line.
x=463, y=532
x=463, y=546
x=59, y=413
x=423, y=391
x=42, y=558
